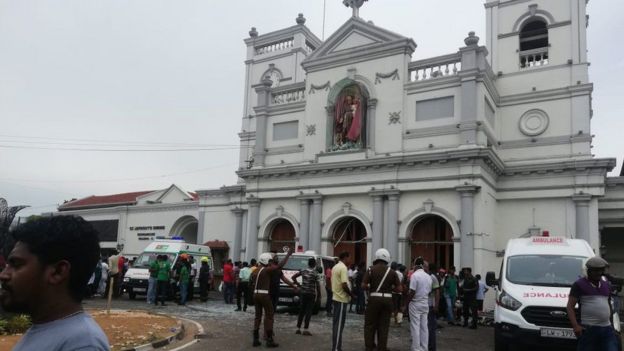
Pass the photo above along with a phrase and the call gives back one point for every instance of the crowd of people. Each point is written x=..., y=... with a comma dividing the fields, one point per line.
x=47, y=271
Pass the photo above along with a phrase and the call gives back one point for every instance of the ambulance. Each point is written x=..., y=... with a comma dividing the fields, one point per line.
x=135, y=281
x=532, y=291
x=298, y=261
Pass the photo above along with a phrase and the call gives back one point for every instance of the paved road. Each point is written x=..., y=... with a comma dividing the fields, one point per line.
x=230, y=330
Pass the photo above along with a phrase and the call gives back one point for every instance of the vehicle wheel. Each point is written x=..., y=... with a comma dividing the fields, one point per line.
x=499, y=343
x=131, y=294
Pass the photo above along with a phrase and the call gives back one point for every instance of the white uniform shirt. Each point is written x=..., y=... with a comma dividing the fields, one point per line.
x=421, y=282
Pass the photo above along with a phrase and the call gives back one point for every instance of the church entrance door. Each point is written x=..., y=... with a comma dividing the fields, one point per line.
x=432, y=238
x=282, y=234
x=350, y=235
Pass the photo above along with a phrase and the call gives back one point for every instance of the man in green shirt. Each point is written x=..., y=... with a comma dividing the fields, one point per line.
x=450, y=294
x=162, y=277
x=185, y=277
x=151, y=287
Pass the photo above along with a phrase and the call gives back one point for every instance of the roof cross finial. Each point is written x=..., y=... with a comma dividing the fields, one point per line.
x=355, y=5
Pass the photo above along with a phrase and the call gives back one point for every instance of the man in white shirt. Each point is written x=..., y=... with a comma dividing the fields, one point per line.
x=481, y=293
x=418, y=297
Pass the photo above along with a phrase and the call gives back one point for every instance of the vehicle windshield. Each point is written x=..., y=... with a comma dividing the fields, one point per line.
x=295, y=263
x=146, y=259
x=544, y=270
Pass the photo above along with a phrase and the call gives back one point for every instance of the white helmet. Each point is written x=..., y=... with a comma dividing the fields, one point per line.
x=382, y=254
x=265, y=258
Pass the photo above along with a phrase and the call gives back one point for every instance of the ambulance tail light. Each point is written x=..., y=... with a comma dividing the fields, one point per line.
x=546, y=233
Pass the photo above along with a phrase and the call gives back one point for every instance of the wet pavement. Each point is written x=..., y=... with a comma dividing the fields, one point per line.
x=227, y=329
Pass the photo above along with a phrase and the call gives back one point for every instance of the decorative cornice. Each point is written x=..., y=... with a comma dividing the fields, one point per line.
x=546, y=95
x=232, y=189
x=615, y=181
x=544, y=141
x=284, y=108
x=284, y=150
x=602, y=164
x=431, y=131
x=581, y=198
x=458, y=155
x=355, y=55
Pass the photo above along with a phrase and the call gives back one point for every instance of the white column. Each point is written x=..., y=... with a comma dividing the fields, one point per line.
x=253, y=219
x=304, y=223
x=581, y=202
x=467, y=224
x=393, y=225
x=264, y=94
x=378, y=211
x=315, y=224
x=235, y=255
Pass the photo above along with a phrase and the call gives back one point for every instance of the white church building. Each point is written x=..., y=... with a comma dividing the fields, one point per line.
x=349, y=144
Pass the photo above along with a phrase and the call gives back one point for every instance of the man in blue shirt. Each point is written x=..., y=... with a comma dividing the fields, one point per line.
x=45, y=277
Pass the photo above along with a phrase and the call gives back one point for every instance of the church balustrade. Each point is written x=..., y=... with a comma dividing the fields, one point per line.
x=309, y=47
x=534, y=58
x=275, y=46
x=288, y=96
x=436, y=67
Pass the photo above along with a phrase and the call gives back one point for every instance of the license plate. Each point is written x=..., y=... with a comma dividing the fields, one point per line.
x=557, y=333
x=285, y=299
x=138, y=289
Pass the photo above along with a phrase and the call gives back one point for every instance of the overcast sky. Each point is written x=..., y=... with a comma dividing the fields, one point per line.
x=170, y=74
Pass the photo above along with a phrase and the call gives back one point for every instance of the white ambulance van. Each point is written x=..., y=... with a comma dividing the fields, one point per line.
x=299, y=261
x=135, y=281
x=532, y=291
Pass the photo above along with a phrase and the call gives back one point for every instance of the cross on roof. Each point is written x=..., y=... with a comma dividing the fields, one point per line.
x=355, y=5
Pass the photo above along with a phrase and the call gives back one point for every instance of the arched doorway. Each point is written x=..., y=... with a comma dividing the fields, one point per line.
x=282, y=234
x=432, y=238
x=349, y=235
x=185, y=227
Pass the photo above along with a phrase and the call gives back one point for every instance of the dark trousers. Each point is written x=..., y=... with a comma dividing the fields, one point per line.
x=203, y=290
x=377, y=322
x=330, y=301
x=305, y=309
x=228, y=292
x=162, y=288
x=470, y=309
x=191, y=289
x=262, y=302
x=340, y=314
x=432, y=325
x=116, y=282
x=598, y=339
x=361, y=301
x=242, y=292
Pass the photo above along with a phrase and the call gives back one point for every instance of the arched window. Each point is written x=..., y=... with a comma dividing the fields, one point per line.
x=534, y=44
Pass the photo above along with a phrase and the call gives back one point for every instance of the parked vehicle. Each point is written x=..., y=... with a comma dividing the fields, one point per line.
x=296, y=263
x=135, y=281
x=532, y=291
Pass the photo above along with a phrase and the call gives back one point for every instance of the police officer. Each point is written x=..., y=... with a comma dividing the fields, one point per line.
x=380, y=280
x=260, y=283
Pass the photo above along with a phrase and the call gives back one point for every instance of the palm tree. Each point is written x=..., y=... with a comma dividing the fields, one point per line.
x=6, y=218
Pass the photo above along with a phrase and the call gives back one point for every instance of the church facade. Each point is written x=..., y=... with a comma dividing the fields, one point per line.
x=350, y=145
